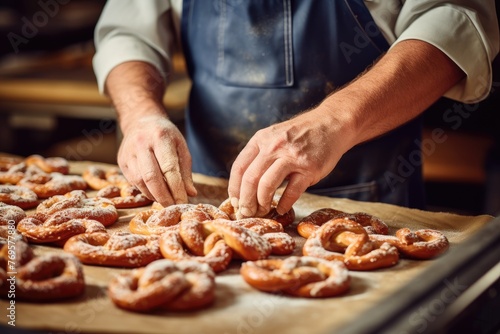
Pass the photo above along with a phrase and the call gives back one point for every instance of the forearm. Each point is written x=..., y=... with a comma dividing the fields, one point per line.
x=136, y=90
x=399, y=87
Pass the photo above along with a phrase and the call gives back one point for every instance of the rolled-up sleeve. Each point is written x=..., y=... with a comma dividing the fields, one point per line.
x=131, y=30
x=466, y=31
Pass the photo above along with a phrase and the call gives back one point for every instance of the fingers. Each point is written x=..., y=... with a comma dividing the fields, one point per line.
x=160, y=166
x=240, y=165
x=260, y=182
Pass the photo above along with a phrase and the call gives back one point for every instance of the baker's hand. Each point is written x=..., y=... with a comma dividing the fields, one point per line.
x=154, y=156
x=301, y=151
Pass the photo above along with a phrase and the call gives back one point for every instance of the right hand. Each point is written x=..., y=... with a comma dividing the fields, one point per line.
x=154, y=157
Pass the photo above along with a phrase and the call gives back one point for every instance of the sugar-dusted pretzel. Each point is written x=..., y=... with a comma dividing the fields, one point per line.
x=298, y=276
x=269, y=229
x=128, y=196
x=50, y=184
x=39, y=231
x=120, y=249
x=49, y=164
x=311, y=222
x=76, y=205
x=158, y=221
x=328, y=241
x=164, y=284
x=284, y=219
x=14, y=173
x=420, y=244
x=47, y=277
x=215, y=252
x=19, y=196
x=10, y=214
x=7, y=162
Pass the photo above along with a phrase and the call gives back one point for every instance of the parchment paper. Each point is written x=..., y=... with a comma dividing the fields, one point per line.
x=238, y=307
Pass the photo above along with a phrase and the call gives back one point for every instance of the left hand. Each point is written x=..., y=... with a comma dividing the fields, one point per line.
x=301, y=150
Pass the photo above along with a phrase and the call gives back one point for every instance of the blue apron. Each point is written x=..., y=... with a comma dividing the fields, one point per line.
x=257, y=62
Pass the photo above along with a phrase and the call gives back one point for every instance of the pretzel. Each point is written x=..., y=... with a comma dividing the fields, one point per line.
x=284, y=219
x=48, y=185
x=421, y=244
x=331, y=238
x=126, y=197
x=269, y=229
x=48, y=165
x=311, y=222
x=76, y=205
x=121, y=249
x=38, y=231
x=163, y=284
x=10, y=213
x=19, y=196
x=10, y=216
x=14, y=174
x=48, y=277
x=245, y=243
x=298, y=276
x=215, y=253
x=159, y=221
x=7, y=162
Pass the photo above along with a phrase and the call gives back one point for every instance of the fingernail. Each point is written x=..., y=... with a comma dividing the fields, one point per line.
x=234, y=202
x=246, y=212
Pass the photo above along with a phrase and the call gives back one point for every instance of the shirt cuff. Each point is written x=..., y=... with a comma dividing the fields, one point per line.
x=123, y=48
x=463, y=43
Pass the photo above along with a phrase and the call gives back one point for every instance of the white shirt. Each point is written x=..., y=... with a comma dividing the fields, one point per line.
x=465, y=30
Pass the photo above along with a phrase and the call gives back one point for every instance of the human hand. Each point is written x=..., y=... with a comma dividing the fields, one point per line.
x=300, y=151
x=154, y=156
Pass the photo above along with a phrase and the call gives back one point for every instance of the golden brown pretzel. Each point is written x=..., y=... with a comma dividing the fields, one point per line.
x=7, y=162
x=48, y=277
x=48, y=165
x=121, y=249
x=313, y=221
x=39, y=231
x=269, y=229
x=215, y=253
x=298, y=276
x=328, y=241
x=421, y=244
x=19, y=196
x=163, y=284
x=48, y=185
x=76, y=205
x=10, y=214
x=128, y=196
x=158, y=221
x=285, y=219
x=14, y=174
x=247, y=244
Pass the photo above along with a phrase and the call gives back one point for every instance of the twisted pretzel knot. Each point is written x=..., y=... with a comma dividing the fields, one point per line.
x=298, y=276
x=310, y=223
x=421, y=244
x=163, y=284
x=48, y=185
x=74, y=205
x=159, y=221
x=19, y=196
x=43, y=278
x=112, y=184
x=328, y=241
x=121, y=249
